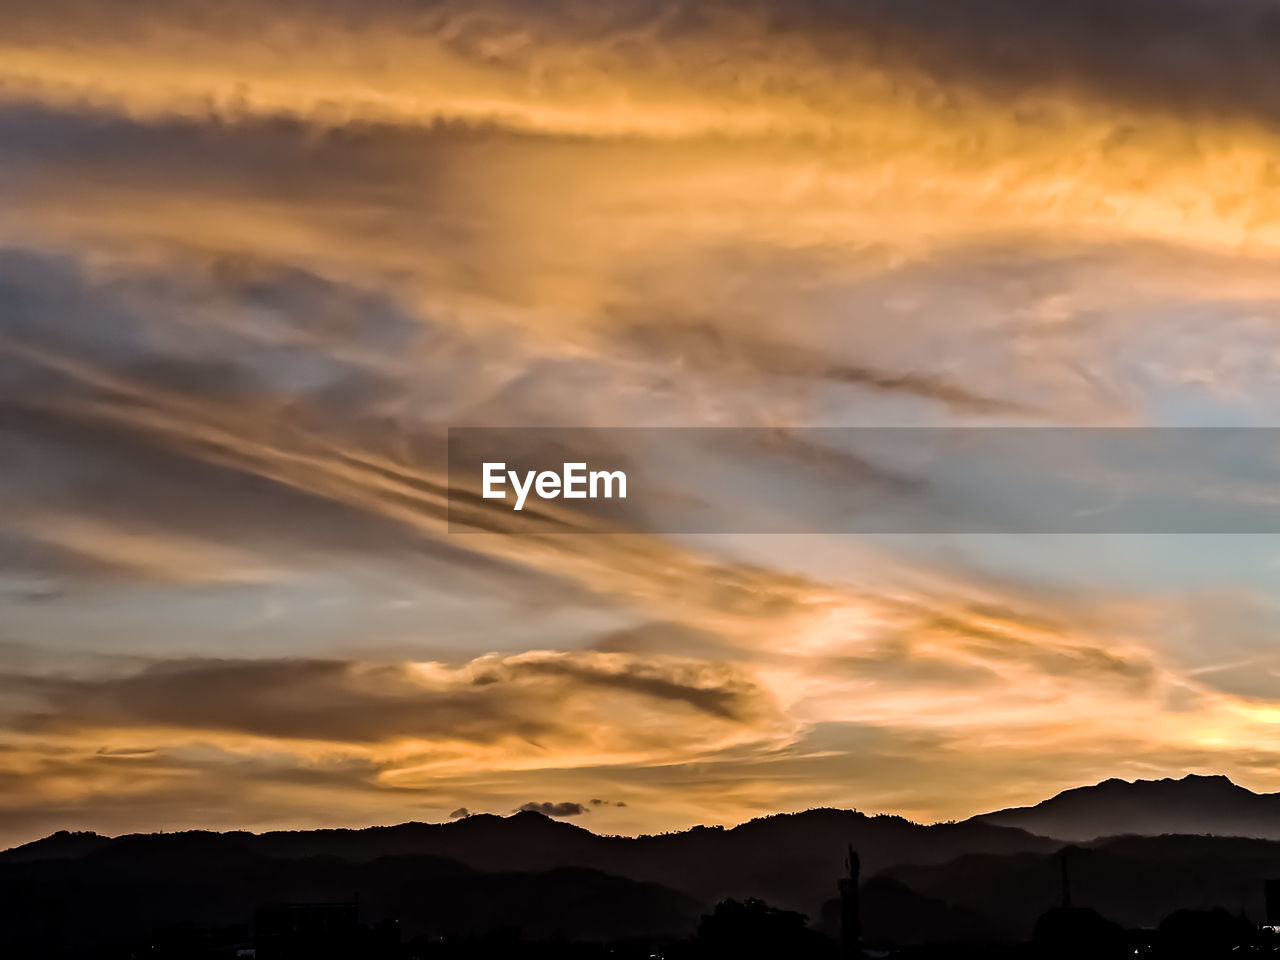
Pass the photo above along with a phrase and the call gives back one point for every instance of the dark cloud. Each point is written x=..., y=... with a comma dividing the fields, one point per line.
x=1133, y=672
x=730, y=349
x=722, y=695
x=1195, y=58
x=547, y=809
x=354, y=702
x=305, y=699
x=1189, y=56
x=1202, y=57
x=460, y=813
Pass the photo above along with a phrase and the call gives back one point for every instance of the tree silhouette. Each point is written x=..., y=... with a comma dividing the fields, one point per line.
x=751, y=929
x=1067, y=933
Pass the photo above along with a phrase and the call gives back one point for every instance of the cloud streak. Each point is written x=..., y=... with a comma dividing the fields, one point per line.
x=529, y=697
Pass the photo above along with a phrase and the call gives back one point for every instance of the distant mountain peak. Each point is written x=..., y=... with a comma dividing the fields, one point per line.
x=1210, y=804
x=63, y=843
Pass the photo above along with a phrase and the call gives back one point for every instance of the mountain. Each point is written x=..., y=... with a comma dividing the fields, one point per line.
x=1192, y=805
x=63, y=844
x=791, y=860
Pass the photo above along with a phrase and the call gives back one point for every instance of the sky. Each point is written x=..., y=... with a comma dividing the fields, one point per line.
x=257, y=257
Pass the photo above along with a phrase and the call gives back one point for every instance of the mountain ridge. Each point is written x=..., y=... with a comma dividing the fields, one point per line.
x=1064, y=817
x=792, y=860
x=1208, y=805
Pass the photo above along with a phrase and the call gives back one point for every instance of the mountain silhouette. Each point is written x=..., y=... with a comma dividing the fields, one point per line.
x=791, y=860
x=1193, y=805
x=1196, y=844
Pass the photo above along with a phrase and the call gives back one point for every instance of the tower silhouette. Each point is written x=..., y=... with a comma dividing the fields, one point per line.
x=850, y=909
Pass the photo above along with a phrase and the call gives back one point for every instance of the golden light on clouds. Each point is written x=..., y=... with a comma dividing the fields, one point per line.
x=256, y=258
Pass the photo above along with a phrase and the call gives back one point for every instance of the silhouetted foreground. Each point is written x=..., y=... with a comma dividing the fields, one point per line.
x=822, y=884
x=734, y=930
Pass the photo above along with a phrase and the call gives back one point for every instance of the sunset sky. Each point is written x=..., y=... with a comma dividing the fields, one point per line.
x=257, y=256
